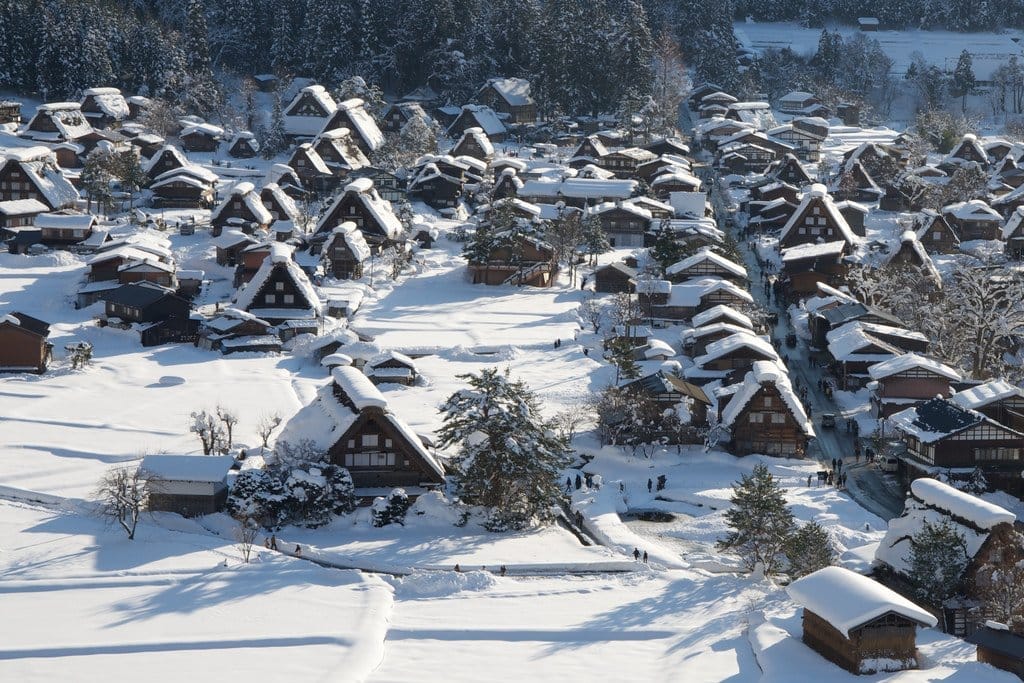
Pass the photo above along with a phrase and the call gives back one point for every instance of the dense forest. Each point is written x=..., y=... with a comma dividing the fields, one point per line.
x=582, y=56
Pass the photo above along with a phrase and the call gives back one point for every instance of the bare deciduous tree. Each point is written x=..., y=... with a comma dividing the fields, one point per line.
x=592, y=312
x=229, y=420
x=266, y=426
x=209, y=431
x=245, y=538
x=123, y=494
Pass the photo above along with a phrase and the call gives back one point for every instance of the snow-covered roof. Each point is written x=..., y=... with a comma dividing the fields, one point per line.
x=203, y=468
x=846, y=599
x=109, y=101
x=986, y=394
x=707, y=255
x=692, y=292
x=479, y=137
x=364, y=124
x=66, y=221
x=354, y=239
x=166, y=149
x=20, y=207
x=813, y=250
x=605, y=207
x=67, y=118
x=206, y=129
x=580, y=188
x=911, y=361
x=360, y=390
x=935, y=502
x=485, y=118
x=974, y=210
x=515, y=91
x=819, y=193
x=245, y=191
x=935, y=419
x=767, y=372
x=980, y=512
x=280, y=257
x=719, y=311
x=283, y=200
x=845, y=343
x=56, y=189
x=719, y=348
x=714, y=328
x=378, y=207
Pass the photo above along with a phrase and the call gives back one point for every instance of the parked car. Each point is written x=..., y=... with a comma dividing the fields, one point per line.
x=828, y=420
x=889, y=464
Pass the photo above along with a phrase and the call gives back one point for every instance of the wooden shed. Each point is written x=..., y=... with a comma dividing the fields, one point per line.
x=857, y=623
x=190, y=485
x=23, y=344
x=1000, y=647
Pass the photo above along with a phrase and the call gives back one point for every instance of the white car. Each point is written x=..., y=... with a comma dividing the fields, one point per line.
x=889, y=464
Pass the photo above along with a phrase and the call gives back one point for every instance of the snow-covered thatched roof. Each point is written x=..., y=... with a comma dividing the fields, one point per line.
x=818, y=195
x=847, y=600
x=703, y=255
x=986, y=394
x=197, y=468
x=762, y=373
x=911, y=361
x=280, y=258
x=246, y=192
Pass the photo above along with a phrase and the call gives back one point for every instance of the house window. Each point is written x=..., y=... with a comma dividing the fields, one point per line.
x=817, y=210
x=936, y=236
x=809, y=221
x=387, y=443
x=271, y=298
x=279, y=286
x=767, y=401
x=756, y=418
x=802, y=231
x=778, y=418
x=289, y=298
x=351, y=443
x=370, y=440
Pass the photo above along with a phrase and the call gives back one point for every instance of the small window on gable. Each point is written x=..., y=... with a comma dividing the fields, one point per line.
x=279, y=286
x=369, y=439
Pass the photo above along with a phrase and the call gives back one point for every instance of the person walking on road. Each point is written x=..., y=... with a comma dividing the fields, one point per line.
x=645, y=557
x=636, y=554
x=650, y=485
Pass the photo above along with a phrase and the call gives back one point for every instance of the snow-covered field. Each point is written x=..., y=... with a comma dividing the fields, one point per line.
x=942, y=48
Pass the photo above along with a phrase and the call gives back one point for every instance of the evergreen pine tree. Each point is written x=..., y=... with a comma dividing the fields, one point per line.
x=594, y=237
x=329, y=36
x=938, y=558
x=509, y=458
x=392, y=509
x=760, y=523
x=274, y=142
x=808, y=550
x=200, y=93
x=963, y=81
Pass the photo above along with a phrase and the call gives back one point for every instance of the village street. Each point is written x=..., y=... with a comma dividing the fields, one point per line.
x=868, y=485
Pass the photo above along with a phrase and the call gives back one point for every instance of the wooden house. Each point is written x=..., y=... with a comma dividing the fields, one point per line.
x=201, y=137
x=65, y=228
x=436, y=188
x=32, y=173
x=974, y=220
x=907, y=380
x=940, y=433
x=666, y=301
x=250, y=259
x=372, y=215
x=667, y=391
x=1013, y=235
x=935, y=233
x=696, y=340
x=104, y=107
x=736, y=352
x=308, y=112
x=57, y=122
x=389, y=185
x=243, y=209
x=401, y=113
x=662, y=146
x=664, y=184
x=356, y=426
x=340, y=151
x=721, y=314
x=352, y=115
x=615, y=277
x=807, y=264
x=161, y=315
x=579, y=192
x=796, y=102
x=10, y=112
x=911, y=253
x=478, y=116
x=996, y=399
x=243, y=145
x=507, y=184
x=167, y=158
x=701, y=90
x=23, y=344
x=344, y=252
x=624, y=163
x=815, y=219
x=279, y=290
x=391, y=367
x=764, y=415
x=511, y=97
x=988, y=541
x=968, y=150
x=230, y=245
x=666, y=163
x=857, y=623
x=184, y=187
x=189, y=485
x=706, y=263
x=854, y=183
x=532, y=263
x=148, y=270
x=19, y=213
x=474, y=143
x=624, y=223
x=234, y=331
x=285, y=177
x=313, y=172
x=855, y=214
x=279, y=204
x=789, y=170
x=822, y=321
x=999, y=646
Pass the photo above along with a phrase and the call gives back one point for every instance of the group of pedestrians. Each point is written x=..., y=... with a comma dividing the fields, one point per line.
x=637, y=556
